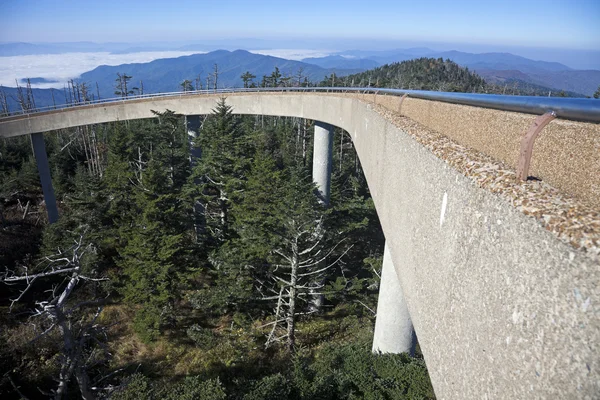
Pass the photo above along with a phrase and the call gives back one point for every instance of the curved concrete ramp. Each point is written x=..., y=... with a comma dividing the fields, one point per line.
x=502, y=308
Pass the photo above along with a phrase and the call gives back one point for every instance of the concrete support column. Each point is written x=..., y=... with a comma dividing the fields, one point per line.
x=41, y=159
x=394, y=331
x=322, y=160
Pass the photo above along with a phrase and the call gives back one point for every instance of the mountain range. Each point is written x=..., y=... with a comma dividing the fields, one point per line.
x=166, y=75
x=494, y=67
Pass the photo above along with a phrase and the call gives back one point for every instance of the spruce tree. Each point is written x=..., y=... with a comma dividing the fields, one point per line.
x=221, y=170
x=154, y=256
x=282, y=240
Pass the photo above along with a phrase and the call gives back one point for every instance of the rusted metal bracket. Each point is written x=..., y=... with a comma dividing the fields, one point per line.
x=527, y=143
x=400, y=102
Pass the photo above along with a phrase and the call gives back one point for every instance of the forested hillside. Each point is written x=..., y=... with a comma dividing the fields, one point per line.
x=420, y=74
x=439, y=75
x=219, y=278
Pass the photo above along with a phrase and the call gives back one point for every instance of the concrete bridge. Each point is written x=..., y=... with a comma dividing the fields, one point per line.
x=499, y=276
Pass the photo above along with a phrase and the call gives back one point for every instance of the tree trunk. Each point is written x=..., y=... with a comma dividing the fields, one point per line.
x=341, y=148
x=85, y=149
x=223, y=211
x=291, y=317
x=304, y=143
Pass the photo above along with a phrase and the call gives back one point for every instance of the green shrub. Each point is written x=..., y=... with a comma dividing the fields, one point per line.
x=140, y=387
x=272, y=387
x=146, y=324
x=136, y=387
x=351, y=371
x=194, y=388
x=203, y=337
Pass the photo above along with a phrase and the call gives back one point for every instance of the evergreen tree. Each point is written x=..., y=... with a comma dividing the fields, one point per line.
x=275, y=79
x=121, y=88
x=247, y=78
x=154, y=256
x=221, y=169
x=282, y=240
x=186, y=86
x=146, y=174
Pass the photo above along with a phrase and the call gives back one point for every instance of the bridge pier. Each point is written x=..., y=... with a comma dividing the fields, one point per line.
x=321, y=173
x=394, y=331
x=41, y=159
x=322, y=160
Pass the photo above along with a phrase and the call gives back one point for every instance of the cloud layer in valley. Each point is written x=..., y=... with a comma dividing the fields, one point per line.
x=292, y=54
x=59, y=68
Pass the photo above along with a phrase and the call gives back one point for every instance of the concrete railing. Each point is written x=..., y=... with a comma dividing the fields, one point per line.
x=569, y=108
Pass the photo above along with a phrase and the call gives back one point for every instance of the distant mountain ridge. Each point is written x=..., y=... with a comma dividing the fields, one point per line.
x=494, y=67
x=342, y=62
x=440, y=74
x=42, y=97
x=579, y=81
x=166, y=74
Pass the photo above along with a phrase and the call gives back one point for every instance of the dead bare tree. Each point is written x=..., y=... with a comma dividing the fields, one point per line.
x=25, y=100
x=30, y=98
x=76, y=324
x=4, y=110
x=299, y=77
x=299, y=275
x=216, y=75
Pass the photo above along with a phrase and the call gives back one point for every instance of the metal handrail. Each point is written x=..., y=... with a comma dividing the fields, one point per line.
x=568, y=108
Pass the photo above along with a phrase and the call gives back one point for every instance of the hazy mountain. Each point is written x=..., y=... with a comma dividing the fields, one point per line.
x=42, y=97
x=584, y=82
x=444, y=75
x=371, y=54
x=386, y=56
x=341, y=62
x=494, y=67
x=495, y=61
x=500, y=61
x=165, y=75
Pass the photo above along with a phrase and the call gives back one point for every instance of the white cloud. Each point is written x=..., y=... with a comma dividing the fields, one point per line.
x=62, y=67
x=293, y=54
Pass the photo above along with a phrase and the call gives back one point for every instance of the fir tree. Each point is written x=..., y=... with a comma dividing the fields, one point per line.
x=221, y=169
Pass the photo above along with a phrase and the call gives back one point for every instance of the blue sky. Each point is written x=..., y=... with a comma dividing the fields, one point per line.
x=568, y=24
